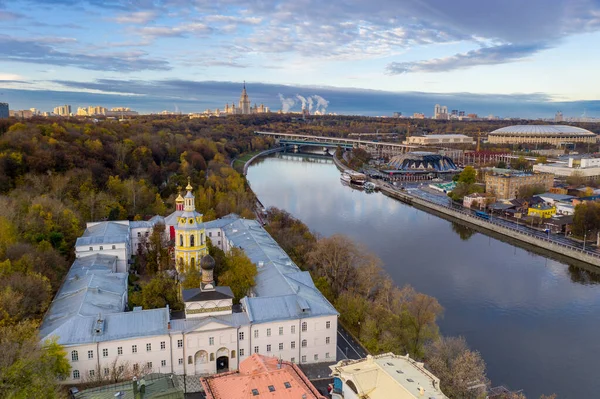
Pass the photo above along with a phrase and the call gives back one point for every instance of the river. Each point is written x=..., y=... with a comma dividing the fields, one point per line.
x=534, y=319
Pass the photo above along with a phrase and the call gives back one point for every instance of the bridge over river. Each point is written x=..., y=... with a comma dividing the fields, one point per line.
x=375, y=148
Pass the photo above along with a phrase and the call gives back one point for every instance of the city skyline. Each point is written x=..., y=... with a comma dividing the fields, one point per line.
x=443, y=51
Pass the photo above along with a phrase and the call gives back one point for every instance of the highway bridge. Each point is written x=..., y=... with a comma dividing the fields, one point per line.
x=375, y=148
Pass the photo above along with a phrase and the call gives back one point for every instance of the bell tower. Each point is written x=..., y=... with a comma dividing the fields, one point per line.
x=190, y=236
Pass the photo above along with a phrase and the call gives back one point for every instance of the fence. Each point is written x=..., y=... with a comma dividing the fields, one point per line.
x=502, y=228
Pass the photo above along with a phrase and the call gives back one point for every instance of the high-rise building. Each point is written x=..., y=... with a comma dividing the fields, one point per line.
x=244, y=107
x=63, y=110
x=244, y=102
x=440, y=112
x=558, y=117
x=4, y=113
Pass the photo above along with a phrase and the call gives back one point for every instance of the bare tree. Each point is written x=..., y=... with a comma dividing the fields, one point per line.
x=460, y=370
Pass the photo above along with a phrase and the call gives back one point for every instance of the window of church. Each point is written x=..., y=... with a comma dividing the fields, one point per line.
x=75, y=374
x=192, y=240
x=181, y=240
x=74, y=356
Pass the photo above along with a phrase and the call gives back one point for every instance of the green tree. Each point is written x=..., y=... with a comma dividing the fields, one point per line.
x=468, y=175
x=520, y=163
x=586, y=218
x=27, y=369
x=157, y=293
x=239, y=273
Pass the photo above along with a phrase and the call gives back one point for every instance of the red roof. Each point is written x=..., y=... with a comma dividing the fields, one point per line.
x=261, y=377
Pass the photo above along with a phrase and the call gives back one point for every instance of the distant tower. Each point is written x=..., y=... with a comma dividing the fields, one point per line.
x=190, y=236
x=244, y=107
x=558, y=117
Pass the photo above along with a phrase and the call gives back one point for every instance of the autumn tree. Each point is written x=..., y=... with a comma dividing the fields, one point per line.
x=238, y=274
x=339, y=259
x=153, y=252
x=460, y=370
x=28, y=369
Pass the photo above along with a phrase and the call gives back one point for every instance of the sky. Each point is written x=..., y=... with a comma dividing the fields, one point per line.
x=508, y=58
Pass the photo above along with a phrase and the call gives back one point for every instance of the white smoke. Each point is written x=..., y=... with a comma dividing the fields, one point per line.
x=302, y=99
x=314, y=103
x=286, y=103
x=322, y=104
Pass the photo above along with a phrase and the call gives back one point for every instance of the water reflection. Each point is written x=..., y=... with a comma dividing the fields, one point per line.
x=464, y=232
x=583, y=276
x=519, y=309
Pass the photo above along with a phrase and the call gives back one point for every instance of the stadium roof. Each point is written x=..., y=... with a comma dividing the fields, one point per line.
x=542, y=130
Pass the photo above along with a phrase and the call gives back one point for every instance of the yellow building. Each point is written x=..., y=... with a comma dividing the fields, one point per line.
x=190, y=237
x=505, y=184
x=542, y=211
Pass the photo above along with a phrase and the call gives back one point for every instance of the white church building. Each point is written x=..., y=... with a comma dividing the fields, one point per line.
x=284, y=315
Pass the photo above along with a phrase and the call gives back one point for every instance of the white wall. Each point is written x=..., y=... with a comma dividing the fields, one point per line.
x=120, y=251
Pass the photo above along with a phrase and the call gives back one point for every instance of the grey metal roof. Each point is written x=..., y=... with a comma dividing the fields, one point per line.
x=136, y=224
x=282, y=291
x=122, y=325
x=89, y=289
x=230, y=320
x=542, y=130
x=195, y=294
x=104, y=233
x=556, y=197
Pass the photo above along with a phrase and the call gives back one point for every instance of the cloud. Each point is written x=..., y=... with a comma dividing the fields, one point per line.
x=484, y=56
x=194, y=96
x=139, y=17
x=9, y=16
x=42, y=51
x=194, y=28
x=357, y=30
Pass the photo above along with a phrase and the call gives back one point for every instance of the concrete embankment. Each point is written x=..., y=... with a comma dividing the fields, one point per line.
x=262, y=154
x=493, y=227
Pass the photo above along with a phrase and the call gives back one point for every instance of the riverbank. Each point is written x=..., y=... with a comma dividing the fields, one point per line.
x=260, y=154
x=492, y=226
x=488, y=226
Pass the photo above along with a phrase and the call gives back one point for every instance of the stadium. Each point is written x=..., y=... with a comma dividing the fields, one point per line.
x=422, y=162
x=557, y=135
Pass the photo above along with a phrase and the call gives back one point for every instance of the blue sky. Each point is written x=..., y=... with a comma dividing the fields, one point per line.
x=509, y=58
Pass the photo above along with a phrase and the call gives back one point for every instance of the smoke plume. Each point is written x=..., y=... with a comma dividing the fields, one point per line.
x=286, y=103
x=302, y=100
x=314, y=103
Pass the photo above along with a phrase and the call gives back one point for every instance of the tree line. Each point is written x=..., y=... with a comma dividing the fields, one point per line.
x=383, y=316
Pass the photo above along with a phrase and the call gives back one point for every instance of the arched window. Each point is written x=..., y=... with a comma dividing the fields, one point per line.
x=212, y=357
x=233, y=354
x=193, y=263
x=304, y=343
x=181, y=240
x=201, y=238
x=190, y=360
x=192, y=239
x=181, y=260
x=74, y=356
x=352, y=386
